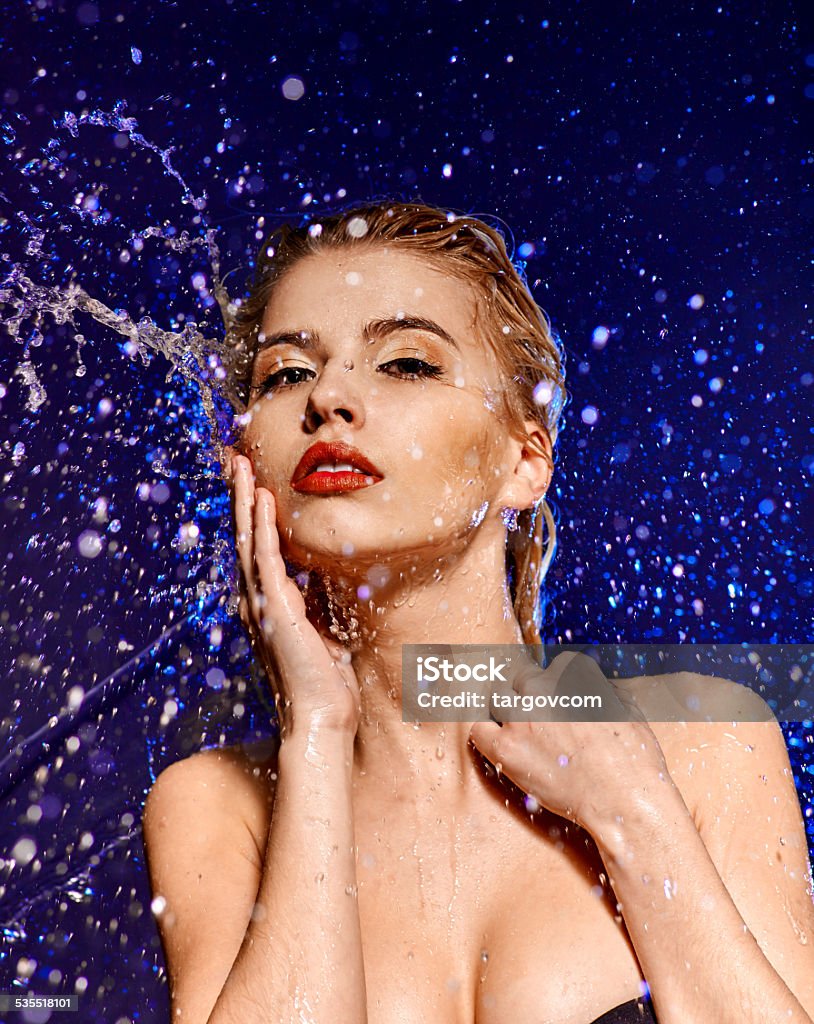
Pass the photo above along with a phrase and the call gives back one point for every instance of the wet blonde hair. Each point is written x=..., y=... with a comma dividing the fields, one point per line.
x=517, y=331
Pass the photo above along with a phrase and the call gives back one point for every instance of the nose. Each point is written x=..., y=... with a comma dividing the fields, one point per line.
x=334, y=396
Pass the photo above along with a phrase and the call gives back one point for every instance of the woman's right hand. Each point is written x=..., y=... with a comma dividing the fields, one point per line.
x=311, y=674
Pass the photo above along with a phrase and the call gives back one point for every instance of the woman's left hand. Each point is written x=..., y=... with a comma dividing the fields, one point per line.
x=585, y=771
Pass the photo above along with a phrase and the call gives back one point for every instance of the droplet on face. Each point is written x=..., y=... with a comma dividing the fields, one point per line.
x=478, y=515
x=490, y=400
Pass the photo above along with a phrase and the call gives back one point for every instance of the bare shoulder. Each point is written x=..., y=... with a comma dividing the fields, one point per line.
x=735, y=777
x=231, y=783
x=240, y=772
x=203, y=841
x=698, y=720
x=691, y=698
x=718, y=736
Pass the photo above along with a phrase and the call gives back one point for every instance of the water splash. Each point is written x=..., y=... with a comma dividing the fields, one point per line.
x=33, y=302
x=128, y=126
x=206, y=363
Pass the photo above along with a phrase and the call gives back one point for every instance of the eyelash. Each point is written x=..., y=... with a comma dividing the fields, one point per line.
x=427, y=370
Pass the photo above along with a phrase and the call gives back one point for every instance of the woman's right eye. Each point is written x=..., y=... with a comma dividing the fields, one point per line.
x=283, y=378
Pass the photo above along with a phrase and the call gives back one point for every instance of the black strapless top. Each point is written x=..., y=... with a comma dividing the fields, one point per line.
x=636, y=1011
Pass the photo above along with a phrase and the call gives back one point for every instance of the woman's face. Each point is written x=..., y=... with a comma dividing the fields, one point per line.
x=377, y=350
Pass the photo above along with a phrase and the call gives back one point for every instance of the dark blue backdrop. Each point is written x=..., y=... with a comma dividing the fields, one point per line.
x=652, y=166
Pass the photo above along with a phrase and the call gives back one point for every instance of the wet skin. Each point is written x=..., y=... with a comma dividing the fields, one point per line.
x=469, y=908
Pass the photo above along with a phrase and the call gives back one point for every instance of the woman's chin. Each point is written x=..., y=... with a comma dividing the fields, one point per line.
x=365, y=558
x=334, y=553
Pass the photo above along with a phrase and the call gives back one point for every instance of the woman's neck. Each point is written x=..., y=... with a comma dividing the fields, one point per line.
x=466, y=602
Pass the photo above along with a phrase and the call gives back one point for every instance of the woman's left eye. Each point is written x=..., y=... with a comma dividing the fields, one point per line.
x=412, y=368
x=283, y=378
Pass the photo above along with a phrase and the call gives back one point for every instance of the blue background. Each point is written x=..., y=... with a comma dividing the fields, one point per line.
x=650, y=168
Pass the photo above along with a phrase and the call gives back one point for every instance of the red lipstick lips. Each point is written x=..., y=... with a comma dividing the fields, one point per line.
x=332, y=467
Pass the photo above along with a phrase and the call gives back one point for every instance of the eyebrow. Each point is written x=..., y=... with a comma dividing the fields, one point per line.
x=374, y=330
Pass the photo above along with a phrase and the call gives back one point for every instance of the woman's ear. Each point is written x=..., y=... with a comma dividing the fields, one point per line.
x=534, y=465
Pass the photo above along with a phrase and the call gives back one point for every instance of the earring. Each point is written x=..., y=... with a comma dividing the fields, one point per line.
x=509, y=517
x=349, y=635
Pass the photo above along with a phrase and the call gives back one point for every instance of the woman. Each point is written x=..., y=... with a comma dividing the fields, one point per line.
x=405, y=395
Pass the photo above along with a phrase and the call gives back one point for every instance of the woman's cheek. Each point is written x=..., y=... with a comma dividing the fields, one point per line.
x=464, y=487
x=256, y=445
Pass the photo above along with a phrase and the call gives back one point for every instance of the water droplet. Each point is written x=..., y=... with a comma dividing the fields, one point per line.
x=89, y=544
x=293, y=88
x=357, y=227
x=24, y=850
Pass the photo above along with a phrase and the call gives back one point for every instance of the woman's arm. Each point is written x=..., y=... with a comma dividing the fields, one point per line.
x=297, y=956
x=717, y=902
x=268, y=943
x=729, y=939
x=301, y=958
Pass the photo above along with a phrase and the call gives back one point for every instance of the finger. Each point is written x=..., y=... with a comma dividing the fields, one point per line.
x=284, y=613
x=337, y=651
x=529, y=678
x=227, y=464
x=244, y=613
x=244, y=540
x=270, y=567
x=485, y=737
x=497, y=713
